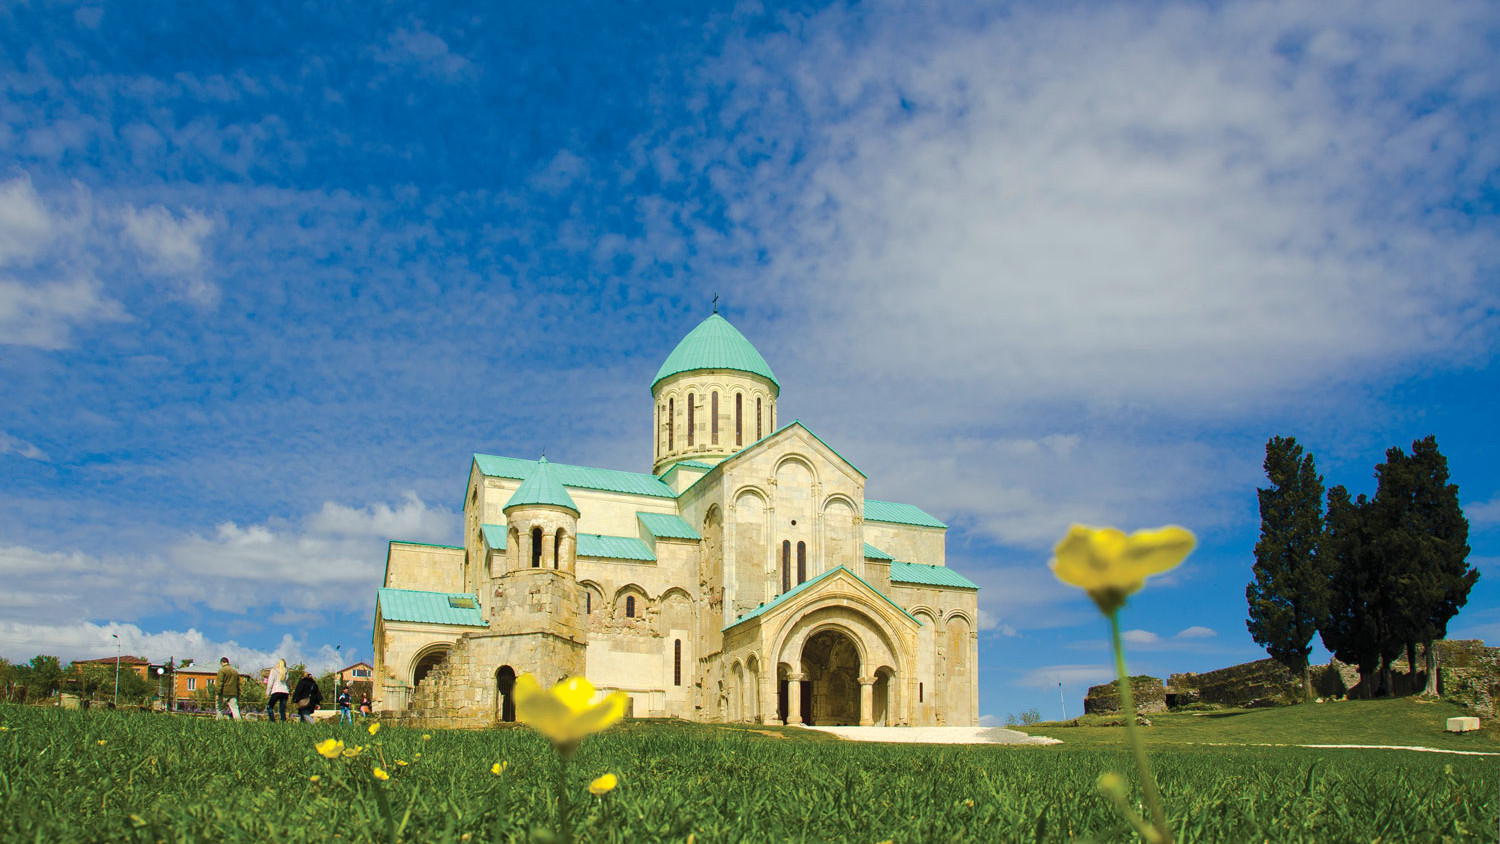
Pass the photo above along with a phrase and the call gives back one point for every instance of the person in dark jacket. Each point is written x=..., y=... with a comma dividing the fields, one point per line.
x=306, y=697
x=228, y=691
x=344, y=699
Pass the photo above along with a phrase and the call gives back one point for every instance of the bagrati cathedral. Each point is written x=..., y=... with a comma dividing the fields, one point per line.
x=746, y=578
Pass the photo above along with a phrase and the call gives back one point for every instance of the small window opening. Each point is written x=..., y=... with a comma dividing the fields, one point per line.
x=786, y=565
x=713, y=416
x=536, y=547
x=588, y=603
x=671, y=422
x=739, y=419
x=919, y=693
x=462, y=602
x=677, y=663
x=692, y=428
x=758, y=433
x=630, y=606
x=557, y=549
x=801, y=562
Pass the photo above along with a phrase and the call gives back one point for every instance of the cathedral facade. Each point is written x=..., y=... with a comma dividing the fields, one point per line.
x=745, y=578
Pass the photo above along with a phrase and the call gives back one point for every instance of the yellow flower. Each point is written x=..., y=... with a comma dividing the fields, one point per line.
x=565, y=713
x=426, y=737
x=101, y=742
x=401, y=763
x=381, y=775
x=374, y=727
x=603, y=785
x=352, y=752
x=499, y=768
x=329, y=748
x=314, y=778
x=1110, y=565
x=4, y=729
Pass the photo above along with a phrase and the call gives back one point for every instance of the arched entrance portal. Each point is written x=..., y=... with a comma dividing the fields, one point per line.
x=830, y=695
x=426, y=662
x=505, y=683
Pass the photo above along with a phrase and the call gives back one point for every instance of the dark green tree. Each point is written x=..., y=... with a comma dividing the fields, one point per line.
x=42, y=676
x=1289, y=597
x=1355, y=628
x=1424, y=536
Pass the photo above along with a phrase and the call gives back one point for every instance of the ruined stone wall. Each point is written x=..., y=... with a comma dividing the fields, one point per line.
x=1149, y=692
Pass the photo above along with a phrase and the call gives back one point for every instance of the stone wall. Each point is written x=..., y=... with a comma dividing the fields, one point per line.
x=1149, y=694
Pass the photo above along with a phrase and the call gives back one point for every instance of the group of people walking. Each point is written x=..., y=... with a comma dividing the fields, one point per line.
x=306, y=697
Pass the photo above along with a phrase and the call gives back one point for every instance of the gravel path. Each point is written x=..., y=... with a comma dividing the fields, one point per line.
x=936, y=735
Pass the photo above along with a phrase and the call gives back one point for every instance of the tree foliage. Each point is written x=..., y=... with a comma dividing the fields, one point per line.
x=1289, y=596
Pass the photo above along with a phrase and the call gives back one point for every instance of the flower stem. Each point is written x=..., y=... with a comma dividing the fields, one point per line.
x=564, y=807
x=1127, y=703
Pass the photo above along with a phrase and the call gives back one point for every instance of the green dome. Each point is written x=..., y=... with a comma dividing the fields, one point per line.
x=715, y=344
x=542, y=487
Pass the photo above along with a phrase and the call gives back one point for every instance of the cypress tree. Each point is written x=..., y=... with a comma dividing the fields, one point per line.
x=1354, y=628
x=1289, y=596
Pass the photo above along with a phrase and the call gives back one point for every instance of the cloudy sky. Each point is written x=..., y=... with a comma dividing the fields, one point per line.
x=268, y=279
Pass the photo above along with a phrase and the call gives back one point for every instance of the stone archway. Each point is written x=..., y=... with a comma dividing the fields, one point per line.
x=505, y=703
x=426, y=661
x=831, y=662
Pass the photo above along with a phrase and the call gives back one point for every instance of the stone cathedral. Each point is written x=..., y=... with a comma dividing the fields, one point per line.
x=745, y=578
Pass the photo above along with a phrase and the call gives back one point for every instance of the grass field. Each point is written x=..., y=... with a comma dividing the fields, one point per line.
x=97, y=776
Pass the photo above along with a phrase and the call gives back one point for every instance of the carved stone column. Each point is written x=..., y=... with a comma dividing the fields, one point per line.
x=794, y=698
x=867, y=701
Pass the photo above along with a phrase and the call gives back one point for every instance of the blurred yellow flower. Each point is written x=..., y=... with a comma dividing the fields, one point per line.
x=426, y=737
x=314, y=778
x=1109, y=565
x=400, y=763
x=329, y=748
x=350, y=753
x=381, y=775
x=101, y=742
x=565, y=713
x=603, y=785
x=499, y=768
x=374, y=728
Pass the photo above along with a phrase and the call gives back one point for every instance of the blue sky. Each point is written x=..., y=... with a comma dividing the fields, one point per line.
x=269, y=277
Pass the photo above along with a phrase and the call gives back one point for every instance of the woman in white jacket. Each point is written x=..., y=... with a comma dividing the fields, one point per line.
x=276, y=690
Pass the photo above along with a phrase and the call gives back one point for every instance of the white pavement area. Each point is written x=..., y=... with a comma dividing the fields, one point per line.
x=937, y=735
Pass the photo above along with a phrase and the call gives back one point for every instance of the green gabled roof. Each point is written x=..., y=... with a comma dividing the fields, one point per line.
x=578, y=477
x=715, y=344
x=795, y=423
x=873, y=553
x=667, y=526
x=542, y=487
x=494, y=535
x=899, y=514
x=430, y=607
x=804, y=586
x=614, y=547
x=925, y=575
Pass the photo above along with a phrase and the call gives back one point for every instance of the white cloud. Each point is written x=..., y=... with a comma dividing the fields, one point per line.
x=1484, y=513
x=425, y=51
x=85, y=640
x=173, y=246
x=1197, y=632
x=1048, y=676
x=44, y=315
x=19, y=447
x=991, y=721
x=275, y=572
x=1140, y=638
x=26, y=228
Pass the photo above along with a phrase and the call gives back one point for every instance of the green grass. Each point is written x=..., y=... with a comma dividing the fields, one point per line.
x=163, y=778
x=1401, y=721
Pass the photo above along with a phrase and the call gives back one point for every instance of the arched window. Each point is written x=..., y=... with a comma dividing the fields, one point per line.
x=677, y=663
x=671, y=422
x=536, y=547
x=758, y=433
x=801, y=562
x=786, y=565
x=557, y=549
x=691, y=427
x=713, y=415
x=739, y=419
x=630, y=606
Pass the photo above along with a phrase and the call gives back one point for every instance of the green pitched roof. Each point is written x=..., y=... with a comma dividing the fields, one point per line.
x=804, y=586
x=667, y=526
x=899, y=514
x=925, y=575
x=542, y=487
x=452, y=608
x=495, y=536
x=873, y=553
x=578, y=477
x=614, y=547
x=715, y=344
